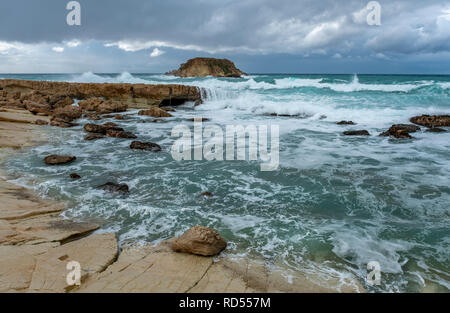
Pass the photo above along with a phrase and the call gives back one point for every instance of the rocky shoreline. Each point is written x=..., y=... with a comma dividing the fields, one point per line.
x=36, y=243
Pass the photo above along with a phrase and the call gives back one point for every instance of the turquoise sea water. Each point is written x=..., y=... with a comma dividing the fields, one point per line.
x=335, y=203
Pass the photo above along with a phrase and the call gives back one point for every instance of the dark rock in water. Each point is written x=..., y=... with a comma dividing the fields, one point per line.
x=198, y=102
x=436, y=130
x=432, y=121
x=148, y=146
x=322, y=117
x=93, y=136
x=202, y=119
x=59, y=159
x=120, y=134
x=346, y=123
x=401, y=131
x=114, y=188
x=75, y=176
x=158, y=120
x=101, y=129
x=357, y=133
x=206, y=194
x=119, y=117
x=287, y=115
x=92, y=116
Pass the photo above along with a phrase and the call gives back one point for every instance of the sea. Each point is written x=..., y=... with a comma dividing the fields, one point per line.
x=334, y=204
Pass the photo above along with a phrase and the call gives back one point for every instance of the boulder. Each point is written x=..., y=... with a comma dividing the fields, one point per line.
x=155, y=112
x=90, y=104
x=38, y=108
x=199, y=240
x=202, y=67
x=59, y=159
x=68, y=113
x=401, y=131
x=357, y=133
x=60, y=101
x=119, y=117
x=58, y=122
x=101, y=129
x=114, y=188
x=432, y=121
x=92, y=116
x=111, y=107
x=149, y=146
x=120, y=134
x=75, y=176
x=93, y=136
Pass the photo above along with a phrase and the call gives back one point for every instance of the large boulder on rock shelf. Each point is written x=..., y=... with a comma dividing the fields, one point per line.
x=155, y=112
x=199, y=240
x=68, y=113
x=149, y=146
x=59, y=159
x=432, y=120
x=38, y=108
x=202, y=67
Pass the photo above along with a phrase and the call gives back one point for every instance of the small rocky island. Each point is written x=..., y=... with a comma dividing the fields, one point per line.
x=202, y=67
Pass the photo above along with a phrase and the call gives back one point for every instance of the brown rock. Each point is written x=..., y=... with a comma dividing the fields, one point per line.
x=92, y=116
x=401, y=131
x=435, y=130
x=41, y=122
x=120, y=134
x=206, y=194
x=68, y=113
x=59, y=159
x=58, y=122
x=60, y=101
x=432, y=121
x=111, y=107
x=119, y=117
x=155, y=112
x=93, y=136
x=357, y=133
x=90, y=104
x=149, y=146
x=101, y=129
x=75, y=176
x=201, y=67
x=201, y=241
x=38, y=108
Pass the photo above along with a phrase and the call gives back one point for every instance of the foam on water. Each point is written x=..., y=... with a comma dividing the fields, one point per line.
x=335, y=204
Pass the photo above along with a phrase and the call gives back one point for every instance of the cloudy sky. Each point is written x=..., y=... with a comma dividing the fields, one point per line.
x=261, y=36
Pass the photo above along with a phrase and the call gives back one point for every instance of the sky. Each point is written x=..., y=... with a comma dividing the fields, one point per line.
x=260, y=36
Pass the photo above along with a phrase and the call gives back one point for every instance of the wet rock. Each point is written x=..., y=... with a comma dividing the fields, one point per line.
x=401, y=131
x=148, y=146
x=58, y=122
x=357, y=133
x=92, y=116
x=198, y=102
x=346, y=123
x=119, y=117
x=201, y=119
x=432, y=121
x=90, y=104
x=206, y=194
x=168, y=109
x=200, y=240
x=41, y=122
x=68, y=113
x=114, y=188
x=93, y=136
x=75, y=176
x=120, y=134
x=60, y=101
x=101, y=129
x=155, y=112
x=436, y=130
x=59, y=159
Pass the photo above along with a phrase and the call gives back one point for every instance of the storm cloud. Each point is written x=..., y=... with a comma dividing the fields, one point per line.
x=172, y=30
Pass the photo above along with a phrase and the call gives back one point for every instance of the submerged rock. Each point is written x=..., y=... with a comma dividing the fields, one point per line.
x=59, y=159
x=114, y=188
x=101, y=129
x=401, y=131
x=93, y=136
x=120, y=134
x=202, y=67
x=357, y=133
x=201, y=241
x=432, y=121
x=346, y=123
x=148, y=146
x=75, y=176
x=436, y=130
x=206, y=194
x=155, y=112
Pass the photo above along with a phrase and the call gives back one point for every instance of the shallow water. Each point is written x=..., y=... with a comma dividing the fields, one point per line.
x=335, y=203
